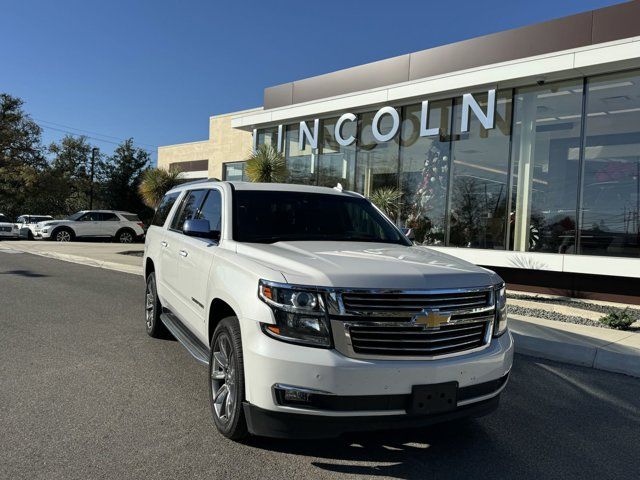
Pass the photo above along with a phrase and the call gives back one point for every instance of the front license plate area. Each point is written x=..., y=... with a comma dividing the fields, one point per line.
x=432, y=399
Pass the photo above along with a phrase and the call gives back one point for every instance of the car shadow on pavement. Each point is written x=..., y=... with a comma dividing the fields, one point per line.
x=543, y=411
x=24, y=273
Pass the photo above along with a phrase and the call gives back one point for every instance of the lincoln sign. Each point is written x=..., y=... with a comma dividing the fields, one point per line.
x=469, y=104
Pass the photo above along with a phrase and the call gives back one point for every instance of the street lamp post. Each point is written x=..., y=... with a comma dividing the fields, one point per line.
x=94, y=154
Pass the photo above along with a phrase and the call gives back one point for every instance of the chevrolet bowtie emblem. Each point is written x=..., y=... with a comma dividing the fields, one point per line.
x=431, y=318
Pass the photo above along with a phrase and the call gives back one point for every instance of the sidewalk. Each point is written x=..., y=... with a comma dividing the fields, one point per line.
x=600, y=348
x=112, y=256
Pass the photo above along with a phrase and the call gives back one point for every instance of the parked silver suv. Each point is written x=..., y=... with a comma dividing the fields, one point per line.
x=123, y=227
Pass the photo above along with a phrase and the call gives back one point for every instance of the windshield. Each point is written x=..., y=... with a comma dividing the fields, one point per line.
x=269, y=217
x=75, y=216
x=4, y=219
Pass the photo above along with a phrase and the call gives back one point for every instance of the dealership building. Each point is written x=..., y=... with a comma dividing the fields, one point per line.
x=519, y=150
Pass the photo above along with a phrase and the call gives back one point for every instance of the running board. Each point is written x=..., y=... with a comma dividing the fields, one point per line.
x=194, y=346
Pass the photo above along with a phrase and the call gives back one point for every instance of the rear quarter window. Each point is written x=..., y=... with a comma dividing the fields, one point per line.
x=130, y=217
x=162, y=212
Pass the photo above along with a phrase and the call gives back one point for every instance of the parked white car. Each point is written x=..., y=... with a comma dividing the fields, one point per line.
x=8, y=229
x=123, y=227
x=27, y=224
x=317, y=316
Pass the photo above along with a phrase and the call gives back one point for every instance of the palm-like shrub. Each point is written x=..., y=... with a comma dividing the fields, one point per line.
x=155, y=183
x=387, y=199
x=266, y=165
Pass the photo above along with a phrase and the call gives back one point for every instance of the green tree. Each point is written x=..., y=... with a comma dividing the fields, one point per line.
x=22, y=162
x=155, y=183
x=266, y=165
x=71, y=169
x=387, y=199
x=122, y=175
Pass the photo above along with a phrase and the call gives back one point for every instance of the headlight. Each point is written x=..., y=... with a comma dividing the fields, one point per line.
x=299, y=314
x=501, y=310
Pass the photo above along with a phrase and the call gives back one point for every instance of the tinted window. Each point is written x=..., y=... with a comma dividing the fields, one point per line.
x=162, y=212
x=211, y=210
x=131, y=217
x=90, y=217
x=188, y=208
x=3, y=218
x=109, y=217
x=269, y=217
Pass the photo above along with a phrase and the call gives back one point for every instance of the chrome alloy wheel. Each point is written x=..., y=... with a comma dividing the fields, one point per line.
x=223, y=378
x=63, y=236
x=126, y=237
x=149, y=305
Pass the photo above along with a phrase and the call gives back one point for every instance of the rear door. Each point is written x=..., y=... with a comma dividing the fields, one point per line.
x=196, y=260
x=88, y=225
x=109, y=224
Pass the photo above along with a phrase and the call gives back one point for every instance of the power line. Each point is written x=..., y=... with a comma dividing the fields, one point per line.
x=91, y=132
x=93, y=138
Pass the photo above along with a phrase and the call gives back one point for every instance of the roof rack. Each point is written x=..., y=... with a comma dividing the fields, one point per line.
x=202, y=180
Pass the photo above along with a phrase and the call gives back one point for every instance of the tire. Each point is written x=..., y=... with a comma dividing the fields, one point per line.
x=63, y=235
x=152, y=310
x=125, y=236
x=226, y=374
x=30, y=235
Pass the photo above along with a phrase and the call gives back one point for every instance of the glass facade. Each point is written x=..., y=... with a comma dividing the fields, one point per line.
x=559, y=173
x=234, y=171
x=479, y=175
x=301, y=163
x=336, y=163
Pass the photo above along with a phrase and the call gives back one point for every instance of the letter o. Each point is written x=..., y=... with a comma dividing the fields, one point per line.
x=376, y=120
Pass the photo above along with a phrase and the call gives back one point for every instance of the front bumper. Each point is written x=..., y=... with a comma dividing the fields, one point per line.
x=269, y=362
x=269, y=423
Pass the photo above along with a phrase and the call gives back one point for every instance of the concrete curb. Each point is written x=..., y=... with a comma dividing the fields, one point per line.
x=91, y=262
x=603, y=349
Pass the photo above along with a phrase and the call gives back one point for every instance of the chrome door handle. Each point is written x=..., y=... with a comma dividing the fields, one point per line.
x=183, y=253
x=163, y=243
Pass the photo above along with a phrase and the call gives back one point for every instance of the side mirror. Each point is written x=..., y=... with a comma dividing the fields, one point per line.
x=199, y=228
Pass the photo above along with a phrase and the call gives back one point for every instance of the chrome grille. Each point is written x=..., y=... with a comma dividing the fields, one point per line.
x=385, y=323
x=413, y=302
x=415, y=340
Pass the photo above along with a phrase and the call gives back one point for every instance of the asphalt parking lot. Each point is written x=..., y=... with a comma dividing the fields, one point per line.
x=85, y=394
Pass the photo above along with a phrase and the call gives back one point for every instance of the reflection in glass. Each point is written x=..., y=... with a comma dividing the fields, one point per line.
x=336, y=163
x=479, y=189
x=234, y=172
x=609, y=215
x=546, y=138
x=300, y=163
x=377, y=164
x=268, y=136
x=424, y=172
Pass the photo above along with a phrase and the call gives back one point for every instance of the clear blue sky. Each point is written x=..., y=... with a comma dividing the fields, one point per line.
x=156, y=70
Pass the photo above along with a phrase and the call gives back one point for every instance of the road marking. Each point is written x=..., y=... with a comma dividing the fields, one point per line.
x=9, y=250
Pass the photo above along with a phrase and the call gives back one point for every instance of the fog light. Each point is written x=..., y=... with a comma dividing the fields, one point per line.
x=288, y=395
x=296, y=396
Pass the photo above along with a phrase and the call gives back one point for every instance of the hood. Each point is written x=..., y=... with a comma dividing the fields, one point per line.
x=367, y=265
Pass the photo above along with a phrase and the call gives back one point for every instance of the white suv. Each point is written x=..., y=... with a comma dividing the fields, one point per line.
x=27, y=224
x=317, y=316
x=8, y=229
x=123, y=227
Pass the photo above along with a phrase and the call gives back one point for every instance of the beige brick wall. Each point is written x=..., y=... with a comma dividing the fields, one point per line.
x=225, y=144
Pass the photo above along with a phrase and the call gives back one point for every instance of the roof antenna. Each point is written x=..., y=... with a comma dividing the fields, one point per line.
x=338, y=187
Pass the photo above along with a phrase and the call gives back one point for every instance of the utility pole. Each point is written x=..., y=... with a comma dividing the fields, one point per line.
x=94, y=154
